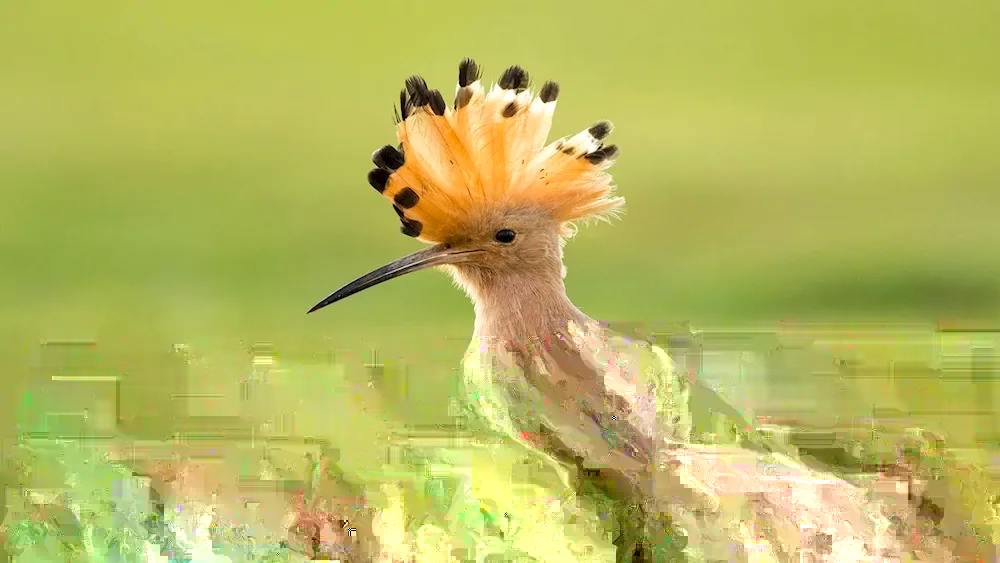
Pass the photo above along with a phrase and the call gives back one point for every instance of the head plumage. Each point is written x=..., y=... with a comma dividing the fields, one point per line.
x=487, y=152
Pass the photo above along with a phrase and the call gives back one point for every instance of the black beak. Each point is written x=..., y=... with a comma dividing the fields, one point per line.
x=434, y=256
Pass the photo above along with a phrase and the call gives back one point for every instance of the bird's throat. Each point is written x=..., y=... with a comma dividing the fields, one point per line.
x=522, y=309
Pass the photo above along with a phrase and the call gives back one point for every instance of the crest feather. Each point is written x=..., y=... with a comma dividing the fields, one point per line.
x=488, y=150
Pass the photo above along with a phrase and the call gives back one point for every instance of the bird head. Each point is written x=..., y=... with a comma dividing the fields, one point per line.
x=478, y=182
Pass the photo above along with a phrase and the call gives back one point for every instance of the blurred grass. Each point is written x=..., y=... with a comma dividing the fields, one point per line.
x=192, y=172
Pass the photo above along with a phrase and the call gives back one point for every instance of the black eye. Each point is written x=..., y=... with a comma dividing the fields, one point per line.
x=505, y=236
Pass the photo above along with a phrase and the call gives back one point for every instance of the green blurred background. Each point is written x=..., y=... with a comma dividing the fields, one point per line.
x=195, y=171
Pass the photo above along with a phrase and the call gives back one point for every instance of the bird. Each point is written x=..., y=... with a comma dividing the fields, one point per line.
x=496, y=201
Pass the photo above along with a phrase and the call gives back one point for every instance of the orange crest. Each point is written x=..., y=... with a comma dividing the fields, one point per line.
x=486, y=152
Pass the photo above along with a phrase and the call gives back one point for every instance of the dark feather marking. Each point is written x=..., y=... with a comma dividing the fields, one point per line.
x=550, y=91
x=509, y=110
x=378, y=178
x=468, y=72
x=389, y=158
x=406, y=198
x=567, y=150
x=462, y=98
x=405, y=104
x=600, y=155
x=600, y=130
x=437, y=102
x=397, y=210
x=420, y=95
x=514, y=78
x=411, y=227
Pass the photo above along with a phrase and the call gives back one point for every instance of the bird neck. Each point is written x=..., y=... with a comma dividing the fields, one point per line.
x=521, y=307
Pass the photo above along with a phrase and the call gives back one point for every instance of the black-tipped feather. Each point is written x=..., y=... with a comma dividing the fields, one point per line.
x=420, y=95
x=437, y=102
x=514, y=78
x=463, y=97
x=411, y=227
x=600, y=155
x=388, y=157
x=378, y=178
x=406, y=198
x=509, y=110
x=600, y=130
x=549, y=92
x=405, y=105
x=468, y=72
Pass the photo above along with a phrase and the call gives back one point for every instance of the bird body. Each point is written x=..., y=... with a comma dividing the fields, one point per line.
x=607, y=415
x=599, y=408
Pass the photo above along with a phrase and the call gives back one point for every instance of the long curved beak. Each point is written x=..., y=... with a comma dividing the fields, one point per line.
x=434, y=256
